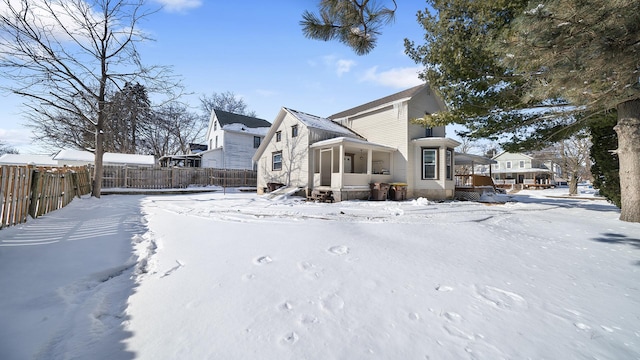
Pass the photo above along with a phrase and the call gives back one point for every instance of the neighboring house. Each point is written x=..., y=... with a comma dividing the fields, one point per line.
x=24, y=159
x=283, y=157
x=518, y=168
x=80, y=157
x=232, y=140
x=372, y=143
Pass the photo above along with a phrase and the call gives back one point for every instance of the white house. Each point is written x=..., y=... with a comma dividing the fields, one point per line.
x=232, y=140
x=371, y=143
x=518, y=168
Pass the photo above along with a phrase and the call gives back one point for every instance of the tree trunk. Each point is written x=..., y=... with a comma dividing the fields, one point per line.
x=98, y=168
x=573, y=184
x=628, y=129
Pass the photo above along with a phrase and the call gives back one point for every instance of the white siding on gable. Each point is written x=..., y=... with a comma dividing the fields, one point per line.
x=238, y=150
x=295, y=156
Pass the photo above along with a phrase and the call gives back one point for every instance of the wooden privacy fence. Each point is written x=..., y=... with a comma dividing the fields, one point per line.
x=175, y=177
x=35, y=191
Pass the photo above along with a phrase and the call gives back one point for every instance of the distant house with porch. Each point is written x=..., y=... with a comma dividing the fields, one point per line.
x=232, y=140
x=519, y=168
x=368, y=144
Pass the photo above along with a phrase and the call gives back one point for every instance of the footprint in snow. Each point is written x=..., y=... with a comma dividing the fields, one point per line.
x=332, y=303
x=453, y=317
x=500, y=298
x=444, y=288
x=582, y=326
x=339, y=250
x=291, y=338
x=262, y=260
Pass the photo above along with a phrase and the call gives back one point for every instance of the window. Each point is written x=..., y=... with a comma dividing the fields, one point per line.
x=276, y=160
x=449, y=164
x=521, y=164
x=428, y=132
x=256, y=142
x=508, y=164
x=215, y=125
x=278, y=136
x=294, y=131
x=216, y=141
x=429, y=163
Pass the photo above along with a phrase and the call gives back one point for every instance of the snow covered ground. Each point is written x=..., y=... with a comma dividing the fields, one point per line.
x=240, y=276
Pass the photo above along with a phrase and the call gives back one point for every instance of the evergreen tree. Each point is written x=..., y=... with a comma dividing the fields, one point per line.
x=605, y=168
x=128, y=111
x=495, y=60
x=354, y=23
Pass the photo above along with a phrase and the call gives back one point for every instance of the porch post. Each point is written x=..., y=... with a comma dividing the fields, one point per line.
x=341, y=161
x=369, y=161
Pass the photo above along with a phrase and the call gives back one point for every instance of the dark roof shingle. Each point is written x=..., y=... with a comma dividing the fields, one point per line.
x=226, y=118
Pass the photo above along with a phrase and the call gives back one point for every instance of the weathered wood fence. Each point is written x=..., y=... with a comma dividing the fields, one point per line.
x=174, y=177
x=35, y=191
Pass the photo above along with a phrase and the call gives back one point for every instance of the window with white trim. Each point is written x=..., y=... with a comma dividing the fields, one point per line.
x=508, y=164
x=521, y=164
x=256, y=142
x=429, y=164
x=276, y=161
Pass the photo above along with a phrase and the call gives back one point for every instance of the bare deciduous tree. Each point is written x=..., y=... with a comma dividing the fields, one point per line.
x=226, y=101
x=171, y=129
x=63, y=56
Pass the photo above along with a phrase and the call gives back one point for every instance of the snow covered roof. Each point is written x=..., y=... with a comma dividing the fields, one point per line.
x=108, y=158
x=24, y=159
x=320, y=123
x=242, y=128
x=358, y=142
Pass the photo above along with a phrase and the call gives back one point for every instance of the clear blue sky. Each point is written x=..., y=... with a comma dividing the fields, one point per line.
x=256, y=49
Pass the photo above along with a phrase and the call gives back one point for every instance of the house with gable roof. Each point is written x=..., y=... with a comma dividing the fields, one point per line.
x=519, y=168
x=232, y=140
x=372, y=143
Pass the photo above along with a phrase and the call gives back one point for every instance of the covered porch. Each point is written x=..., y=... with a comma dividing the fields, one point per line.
x=525, y=178
x=469, y=185
x=346, y=167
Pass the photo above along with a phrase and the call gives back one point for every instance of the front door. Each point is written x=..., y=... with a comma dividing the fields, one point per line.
x=325, y=167
x=348, y=163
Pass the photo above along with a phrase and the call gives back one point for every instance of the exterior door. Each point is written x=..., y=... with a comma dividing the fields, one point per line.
x=325, y=168
x=348, y=163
